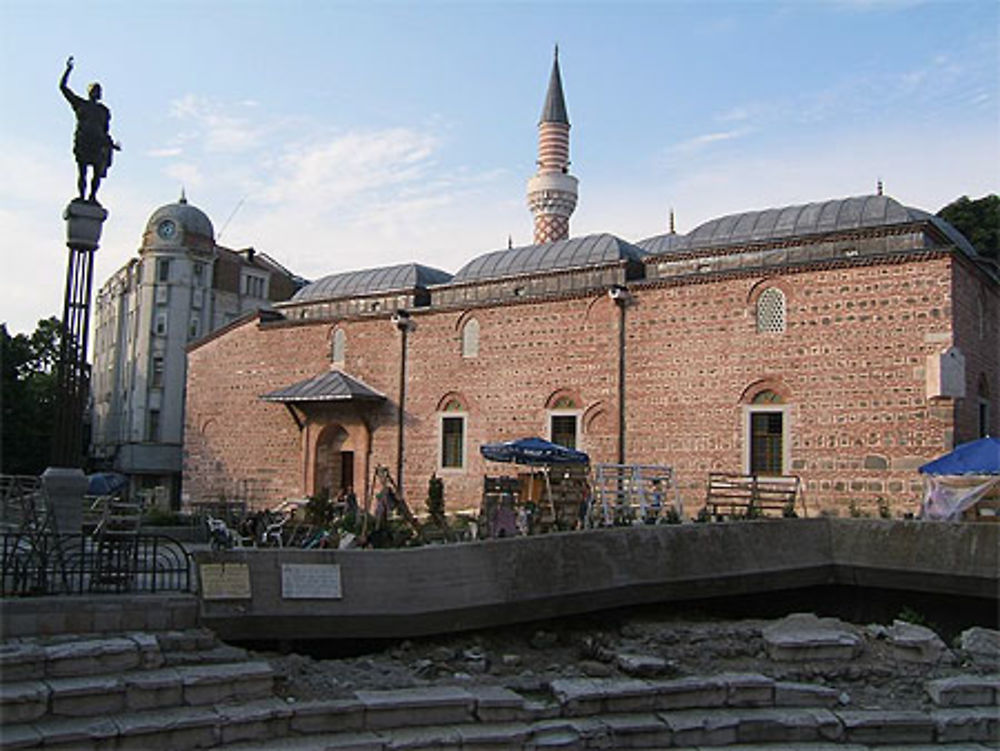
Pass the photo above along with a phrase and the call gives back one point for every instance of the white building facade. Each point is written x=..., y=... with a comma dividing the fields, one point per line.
x=181, y=287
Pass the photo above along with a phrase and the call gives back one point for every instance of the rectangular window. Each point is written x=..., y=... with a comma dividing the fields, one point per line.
x=766, y=443
x=160, y=324
x=452, y=442
x=193, y=327
x=984, y=418
x=562, y=430
x=199, y=273
x=162, y=294
x=156, y=377
x=254, y=286
x=154, y=425
x=163, y=270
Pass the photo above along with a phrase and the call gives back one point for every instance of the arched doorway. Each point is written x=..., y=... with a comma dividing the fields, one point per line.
x=334, y=462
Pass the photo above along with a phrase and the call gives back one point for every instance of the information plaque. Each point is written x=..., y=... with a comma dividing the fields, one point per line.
x=310, y=581
x=225, y=581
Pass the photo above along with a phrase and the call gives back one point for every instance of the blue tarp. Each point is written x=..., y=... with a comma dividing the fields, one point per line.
x=532, y=452
x=980, y=457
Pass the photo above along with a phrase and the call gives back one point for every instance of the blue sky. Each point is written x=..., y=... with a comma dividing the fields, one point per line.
x=351, y=135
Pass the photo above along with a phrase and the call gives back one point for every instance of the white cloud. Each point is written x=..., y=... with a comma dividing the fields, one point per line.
x=697, y=143
x=218, y=128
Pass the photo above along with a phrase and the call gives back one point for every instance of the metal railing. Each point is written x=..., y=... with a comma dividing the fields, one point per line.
x=75, y=564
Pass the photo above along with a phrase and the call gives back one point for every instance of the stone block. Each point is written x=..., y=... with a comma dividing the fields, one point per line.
x=363, y=741
x=964, y=690
x=210, y=684
x=444, y=738
x=20, y=736
x=497, y=704
x=642, y=666
x=91, y=657
x=150, y=656
x=150, y=689
x=803, y=637
x=432, y=705
x=78, y=733
x=880, y=726
x=257, y=720
x=787, y=726
x=982, y=644
x=788, y=694
x=967, y=725
x=579, y=696
x=690, y=693
x=168, y=729
x=910, y=642
x=327, y=716
x=702, y=728
x=21, y=661
x=86, y=696
x=637, y=731
x=575, y=733
x=23, y=701
x=747, y=689
x=493, y=737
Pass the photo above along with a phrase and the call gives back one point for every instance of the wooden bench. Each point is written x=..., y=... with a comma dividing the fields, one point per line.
x=750, y=495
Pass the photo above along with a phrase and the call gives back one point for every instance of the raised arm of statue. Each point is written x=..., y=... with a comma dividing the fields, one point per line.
x=71, y=97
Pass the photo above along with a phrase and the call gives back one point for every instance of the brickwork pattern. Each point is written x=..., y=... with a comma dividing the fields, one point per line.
x=850, y=367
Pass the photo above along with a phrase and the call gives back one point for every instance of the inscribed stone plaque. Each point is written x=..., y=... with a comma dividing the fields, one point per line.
x=308, y=581
x=225, y=581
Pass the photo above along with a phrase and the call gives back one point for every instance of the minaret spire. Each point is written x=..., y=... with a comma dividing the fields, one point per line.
x=552, y=191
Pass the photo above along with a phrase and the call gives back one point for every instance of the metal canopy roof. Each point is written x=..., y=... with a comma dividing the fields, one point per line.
x=332, y=386
x=578, y=252
x=836, y=215
x=405, y=276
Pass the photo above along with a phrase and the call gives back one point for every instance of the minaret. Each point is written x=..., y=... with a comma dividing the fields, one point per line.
x=552, y=191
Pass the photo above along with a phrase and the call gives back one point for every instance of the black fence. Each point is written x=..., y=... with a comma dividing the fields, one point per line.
x=72, y=564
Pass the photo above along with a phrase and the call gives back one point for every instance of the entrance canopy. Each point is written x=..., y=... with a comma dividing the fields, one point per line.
x=532, y=452
x=331, y=386
x=959, y=480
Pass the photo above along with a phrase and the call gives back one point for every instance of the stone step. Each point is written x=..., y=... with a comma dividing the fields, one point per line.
x=452, y=717
x=95, y=695
x=965, y=690
x=26, y=660
x=67, y=656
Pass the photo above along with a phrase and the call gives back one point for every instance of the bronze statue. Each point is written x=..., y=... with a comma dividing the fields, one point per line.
x=92, y=144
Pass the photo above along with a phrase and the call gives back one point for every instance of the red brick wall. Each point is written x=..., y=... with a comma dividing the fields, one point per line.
x=850, y=364
x=977, y=335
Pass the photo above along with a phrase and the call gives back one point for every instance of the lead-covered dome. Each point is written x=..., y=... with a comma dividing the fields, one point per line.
x=181, y=223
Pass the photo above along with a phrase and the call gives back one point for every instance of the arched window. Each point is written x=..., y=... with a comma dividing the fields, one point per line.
x=766, y=434
x=564, y=421
x=470, y=338
x=451, y=424
x=771, y=311
x=338, y=347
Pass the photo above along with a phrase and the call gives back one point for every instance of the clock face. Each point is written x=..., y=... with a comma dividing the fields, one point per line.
x=166, y=229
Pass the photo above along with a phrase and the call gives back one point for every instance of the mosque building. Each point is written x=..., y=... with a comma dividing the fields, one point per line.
x=181, y=286
x=845, y=341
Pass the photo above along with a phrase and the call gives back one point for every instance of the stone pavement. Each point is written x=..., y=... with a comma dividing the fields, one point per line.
x=183, y=689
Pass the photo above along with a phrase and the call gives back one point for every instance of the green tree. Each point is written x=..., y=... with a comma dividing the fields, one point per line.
x=978, y=220
x=28, y=387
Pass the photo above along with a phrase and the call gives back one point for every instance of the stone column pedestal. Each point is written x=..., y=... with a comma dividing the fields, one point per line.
x=65, y=488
